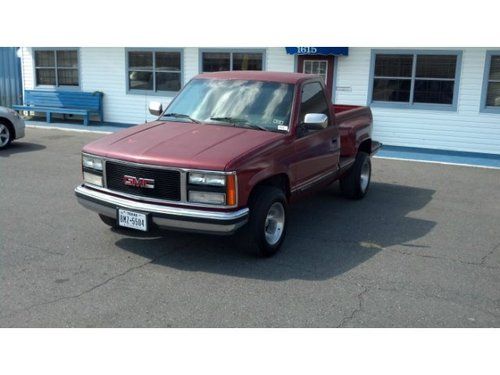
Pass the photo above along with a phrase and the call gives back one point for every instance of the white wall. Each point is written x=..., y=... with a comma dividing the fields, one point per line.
x=27, y=68
x=467, y=129
x=103, y=69
x=277, y=60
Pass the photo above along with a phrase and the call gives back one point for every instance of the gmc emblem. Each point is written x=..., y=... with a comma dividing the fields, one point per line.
x=145, y=183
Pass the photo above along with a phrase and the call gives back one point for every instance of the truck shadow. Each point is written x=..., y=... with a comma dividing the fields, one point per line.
x=327, y=236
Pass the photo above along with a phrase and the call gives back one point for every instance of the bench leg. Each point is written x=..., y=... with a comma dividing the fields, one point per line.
x=49, y=117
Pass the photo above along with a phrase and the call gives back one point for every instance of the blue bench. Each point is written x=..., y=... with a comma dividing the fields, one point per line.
x=65, y=102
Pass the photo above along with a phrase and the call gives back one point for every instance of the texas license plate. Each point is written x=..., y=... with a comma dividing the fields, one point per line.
x=131, y=219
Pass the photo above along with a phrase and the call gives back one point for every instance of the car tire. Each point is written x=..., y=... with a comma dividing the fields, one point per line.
x=6, y=134
x=268, y=220
x=108, y=221
x=355, y=183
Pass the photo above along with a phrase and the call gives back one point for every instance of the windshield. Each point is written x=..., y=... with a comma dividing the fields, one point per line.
x=240, y=103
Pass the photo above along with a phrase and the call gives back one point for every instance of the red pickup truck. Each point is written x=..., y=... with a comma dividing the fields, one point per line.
x=232, y=150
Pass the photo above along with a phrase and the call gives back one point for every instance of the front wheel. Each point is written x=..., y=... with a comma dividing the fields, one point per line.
x=5, y=135
x=268, y=219
x=355, y=183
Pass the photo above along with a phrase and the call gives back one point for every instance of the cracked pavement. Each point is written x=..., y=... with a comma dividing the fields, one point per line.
x=421, y=250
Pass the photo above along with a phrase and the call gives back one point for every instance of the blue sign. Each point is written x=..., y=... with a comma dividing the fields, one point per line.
x=337, y=51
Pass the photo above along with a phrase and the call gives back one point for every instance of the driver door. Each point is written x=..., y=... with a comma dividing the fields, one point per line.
x=316, y=151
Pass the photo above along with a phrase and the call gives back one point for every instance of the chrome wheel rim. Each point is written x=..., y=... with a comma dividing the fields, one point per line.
x=275, y=223
x=4, y=135
x=365, y=175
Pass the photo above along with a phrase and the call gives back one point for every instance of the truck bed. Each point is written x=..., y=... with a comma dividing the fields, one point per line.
x=354, y=124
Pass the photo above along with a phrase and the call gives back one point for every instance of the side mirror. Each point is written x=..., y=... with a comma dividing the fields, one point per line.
x=315, y=121
x=155, y=108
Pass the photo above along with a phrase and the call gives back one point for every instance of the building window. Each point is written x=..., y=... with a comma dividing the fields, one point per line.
x=415, y=79
x=492, y=82
x=58, y=68
x=155, y=71
x=223, y=61
x=319, y=67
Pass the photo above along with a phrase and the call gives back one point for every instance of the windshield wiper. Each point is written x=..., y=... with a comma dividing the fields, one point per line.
x=254, y=126
x=180, y=115
x=230, y=120
x=239, y=121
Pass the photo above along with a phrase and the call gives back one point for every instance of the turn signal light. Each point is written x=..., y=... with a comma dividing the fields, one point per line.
x=231, y=190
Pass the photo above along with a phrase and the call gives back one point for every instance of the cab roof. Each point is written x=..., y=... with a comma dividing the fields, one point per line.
x=255, y=75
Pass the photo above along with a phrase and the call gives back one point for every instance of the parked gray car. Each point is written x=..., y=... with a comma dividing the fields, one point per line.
x=11, y=126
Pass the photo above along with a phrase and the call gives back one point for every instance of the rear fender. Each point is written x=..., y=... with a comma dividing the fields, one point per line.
x=351, y=138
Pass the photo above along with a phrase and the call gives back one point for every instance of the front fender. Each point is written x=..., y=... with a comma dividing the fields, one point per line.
x=250, y=178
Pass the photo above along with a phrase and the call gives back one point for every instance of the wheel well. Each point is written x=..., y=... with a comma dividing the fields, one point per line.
x=280, y=181
x=366, y=146
x=9, y=124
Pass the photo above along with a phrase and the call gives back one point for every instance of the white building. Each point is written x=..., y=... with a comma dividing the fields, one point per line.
x=440, y=98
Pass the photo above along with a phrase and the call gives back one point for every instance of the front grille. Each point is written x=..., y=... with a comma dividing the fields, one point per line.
x=166, y=186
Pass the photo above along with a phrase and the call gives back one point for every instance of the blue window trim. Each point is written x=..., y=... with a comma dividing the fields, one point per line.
x=152, y=92
x=415, y=52
x=484, y=91
x=55, y=87
x=231, y=51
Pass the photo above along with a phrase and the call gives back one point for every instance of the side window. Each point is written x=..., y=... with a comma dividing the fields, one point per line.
x=415, y=79
x=154, y=71
x=493, y=84
x=225, y=61
x=56, y=68
x=313, y=101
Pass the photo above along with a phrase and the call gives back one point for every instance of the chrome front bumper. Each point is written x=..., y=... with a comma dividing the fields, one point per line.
x=168, y=217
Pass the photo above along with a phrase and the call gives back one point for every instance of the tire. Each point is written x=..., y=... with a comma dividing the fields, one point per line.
x=108, y=221
x=268, y=220
x=355, y=183
x=6, y=134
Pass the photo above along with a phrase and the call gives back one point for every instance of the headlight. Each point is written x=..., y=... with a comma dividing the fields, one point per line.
x=207, y=197
x=212, y=179
x=92, y=162
x=92, y=179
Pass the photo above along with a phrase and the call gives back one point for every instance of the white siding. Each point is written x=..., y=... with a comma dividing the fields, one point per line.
x=27, y=68
x=467, y=129
x=191, y=63
x=277, y=60
x=103, y=69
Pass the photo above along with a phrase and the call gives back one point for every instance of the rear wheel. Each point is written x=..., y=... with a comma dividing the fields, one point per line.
x=5, y=135
x=108, y=221
x=268, y=220
x=355, y=183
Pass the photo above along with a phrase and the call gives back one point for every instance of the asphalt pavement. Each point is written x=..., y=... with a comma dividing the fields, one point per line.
x=421, y=250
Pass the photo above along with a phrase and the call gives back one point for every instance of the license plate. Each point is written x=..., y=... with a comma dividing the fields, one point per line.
x=132, y=220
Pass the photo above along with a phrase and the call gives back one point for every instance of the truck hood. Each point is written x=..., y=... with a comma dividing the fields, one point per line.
x=183, y=145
